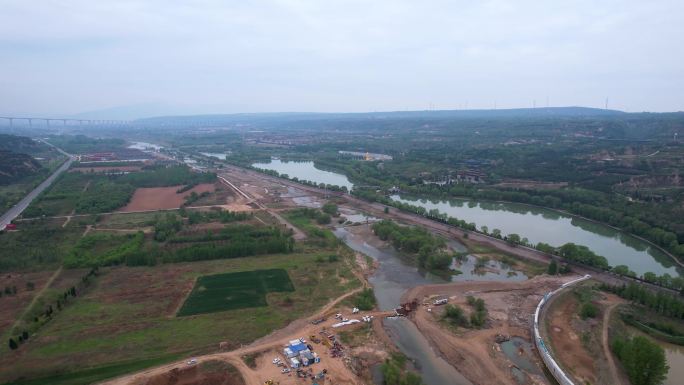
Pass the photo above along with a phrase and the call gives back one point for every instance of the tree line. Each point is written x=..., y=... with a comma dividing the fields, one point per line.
x=662, y=303
x=239, y=246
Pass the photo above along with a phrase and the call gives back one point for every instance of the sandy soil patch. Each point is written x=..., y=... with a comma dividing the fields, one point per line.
x=159, y=198
x=475, y=353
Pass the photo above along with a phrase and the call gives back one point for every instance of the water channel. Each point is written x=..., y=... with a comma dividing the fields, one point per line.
x=536, y=224
x=390, y=280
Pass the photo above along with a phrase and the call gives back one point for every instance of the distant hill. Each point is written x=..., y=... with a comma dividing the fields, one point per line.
x=17, y=143
x=14, y=162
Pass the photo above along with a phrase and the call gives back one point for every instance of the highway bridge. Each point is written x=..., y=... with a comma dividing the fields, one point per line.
x=64, y=121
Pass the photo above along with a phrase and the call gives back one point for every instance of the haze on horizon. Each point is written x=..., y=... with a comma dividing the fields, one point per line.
x=173, y=57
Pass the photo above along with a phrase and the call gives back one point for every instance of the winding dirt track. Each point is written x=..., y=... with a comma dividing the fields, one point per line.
x=616, y=374
x=36, y=297
x=604, y=341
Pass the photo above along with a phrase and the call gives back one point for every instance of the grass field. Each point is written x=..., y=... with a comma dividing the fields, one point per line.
x=37, y=245
x=92, y=375
x=231, y=291
x=129, y=315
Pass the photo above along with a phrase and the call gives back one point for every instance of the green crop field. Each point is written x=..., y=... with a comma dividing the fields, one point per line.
x=214, y=293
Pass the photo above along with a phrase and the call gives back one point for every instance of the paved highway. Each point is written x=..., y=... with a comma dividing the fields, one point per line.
x=17, y=209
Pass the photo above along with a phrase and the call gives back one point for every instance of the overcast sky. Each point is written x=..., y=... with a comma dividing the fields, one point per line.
x=66, y=57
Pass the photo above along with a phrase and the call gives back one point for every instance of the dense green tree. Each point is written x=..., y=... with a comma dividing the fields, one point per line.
x=588, y=310
x=582, y=254
x=553, y=267
x=644, y=361
x=513, y=238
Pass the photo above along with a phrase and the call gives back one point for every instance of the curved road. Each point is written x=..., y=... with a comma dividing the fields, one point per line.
x=17, y=209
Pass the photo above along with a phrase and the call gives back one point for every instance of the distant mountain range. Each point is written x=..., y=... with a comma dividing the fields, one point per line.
x=428, y=114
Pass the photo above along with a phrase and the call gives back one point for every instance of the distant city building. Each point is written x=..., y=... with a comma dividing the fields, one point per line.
x=367, y=156
x=470, y=176
x=464, y=176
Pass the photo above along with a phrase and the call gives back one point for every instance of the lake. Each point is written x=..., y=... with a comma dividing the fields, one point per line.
x=306, y=171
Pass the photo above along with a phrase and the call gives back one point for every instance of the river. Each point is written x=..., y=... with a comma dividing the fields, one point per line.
x=556, y=229
x=535, y=224
x=390, y=280
x=393, y=277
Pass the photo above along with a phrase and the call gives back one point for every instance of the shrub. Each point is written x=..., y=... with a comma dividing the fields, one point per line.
x=323, y=219
x=330, y=208
x=456, y=316
x=553, y=267
x=588, y=310
x=365, y=300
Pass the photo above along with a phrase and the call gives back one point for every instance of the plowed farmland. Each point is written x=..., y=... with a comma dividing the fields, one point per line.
x=160, y=198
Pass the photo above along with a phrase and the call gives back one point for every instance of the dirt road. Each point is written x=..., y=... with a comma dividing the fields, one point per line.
x=297, y=234
x=37, y=296
x=606, y=344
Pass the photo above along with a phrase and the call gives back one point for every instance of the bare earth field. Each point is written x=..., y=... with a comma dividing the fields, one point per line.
x=474, y=352
x=95, y=169
x=159, y=198
x=579, y=345
x=566, y=342
x=12, y=305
